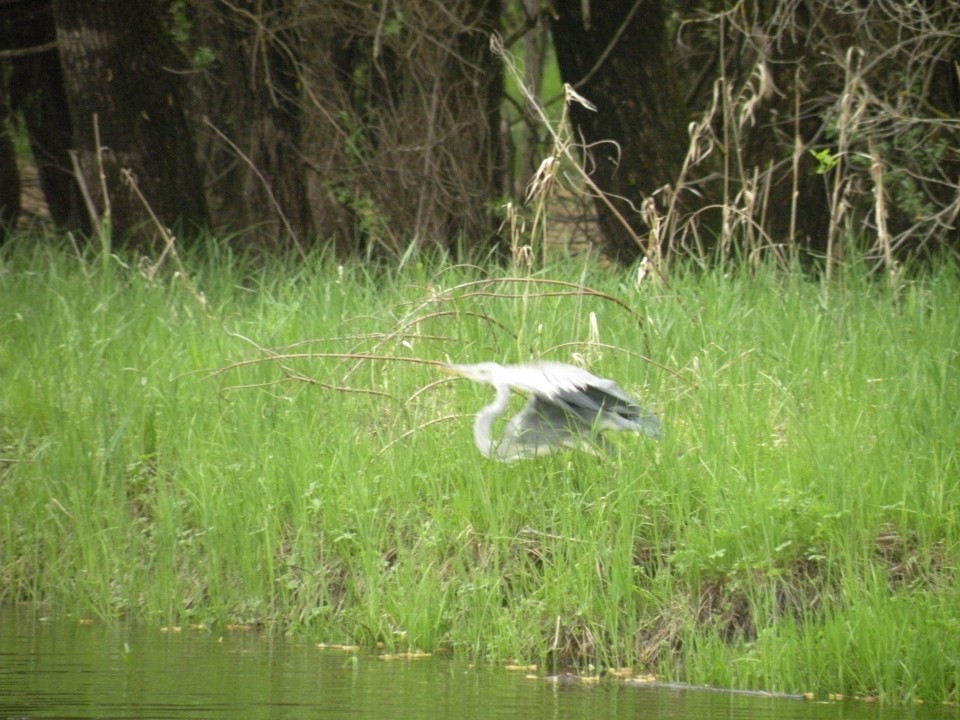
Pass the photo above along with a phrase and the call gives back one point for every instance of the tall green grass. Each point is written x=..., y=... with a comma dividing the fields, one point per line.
x=795, y=530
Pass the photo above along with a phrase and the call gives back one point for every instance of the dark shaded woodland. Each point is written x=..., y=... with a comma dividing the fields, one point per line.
x=375, y=128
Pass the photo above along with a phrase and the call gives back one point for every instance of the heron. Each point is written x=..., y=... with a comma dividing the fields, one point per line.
x=568, y=407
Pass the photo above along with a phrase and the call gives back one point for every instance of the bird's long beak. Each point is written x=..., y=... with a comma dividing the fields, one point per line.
x=455, y=370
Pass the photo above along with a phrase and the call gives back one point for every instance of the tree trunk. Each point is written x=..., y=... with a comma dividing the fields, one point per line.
x=9, y=176
x=116, y=56
x=36, y=92
x=247, y=107
x=418, y=116
x=616, y=55
x=796, y=202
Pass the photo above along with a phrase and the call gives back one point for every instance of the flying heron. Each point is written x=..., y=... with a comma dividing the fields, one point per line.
x=568, y=408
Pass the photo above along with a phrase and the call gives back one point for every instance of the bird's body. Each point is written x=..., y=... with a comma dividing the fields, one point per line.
x=567, y=407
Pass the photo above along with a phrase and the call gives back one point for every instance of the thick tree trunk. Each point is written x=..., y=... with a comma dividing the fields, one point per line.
x=36, y=92
x=116, y=57
x=616, y=55
x=9, y=176
x=36, y=87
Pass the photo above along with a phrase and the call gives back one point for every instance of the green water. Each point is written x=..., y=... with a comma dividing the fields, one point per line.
x=52, y=667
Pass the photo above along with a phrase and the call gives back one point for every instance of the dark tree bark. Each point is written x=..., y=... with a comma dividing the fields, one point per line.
x=618, y=57
x=36, y=92
x=116, y=58
x=414, y=113
x=326, y=141
x=36, y=86
x=9, y=176
x=797, y=202
x=247, y=109
x=9, y=173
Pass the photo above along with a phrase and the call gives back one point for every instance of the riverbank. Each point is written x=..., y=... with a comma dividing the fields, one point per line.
x=273, y=447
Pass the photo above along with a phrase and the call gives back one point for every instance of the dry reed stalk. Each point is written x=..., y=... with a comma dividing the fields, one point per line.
x=798, y=151
x=880, y=213
x=562, y=151
x=853, y=107
x=100, y=221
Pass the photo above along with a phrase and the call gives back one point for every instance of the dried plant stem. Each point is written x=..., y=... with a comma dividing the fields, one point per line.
x=798, y=146
x=845, y=125
x=100, y=220
x=880, y=212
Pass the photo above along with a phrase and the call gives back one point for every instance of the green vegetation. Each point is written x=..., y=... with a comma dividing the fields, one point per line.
x=796, y=529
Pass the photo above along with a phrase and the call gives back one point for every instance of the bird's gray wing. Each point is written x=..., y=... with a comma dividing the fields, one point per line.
x=606, y=407
x=542, y=428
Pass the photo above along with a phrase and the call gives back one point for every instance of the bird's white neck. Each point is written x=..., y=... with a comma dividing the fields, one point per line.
x=483, y=423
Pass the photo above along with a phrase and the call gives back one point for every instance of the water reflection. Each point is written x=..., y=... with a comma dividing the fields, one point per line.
x=62, y=669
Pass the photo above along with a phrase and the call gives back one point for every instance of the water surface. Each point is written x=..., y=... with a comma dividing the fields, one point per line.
x=61, y=668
